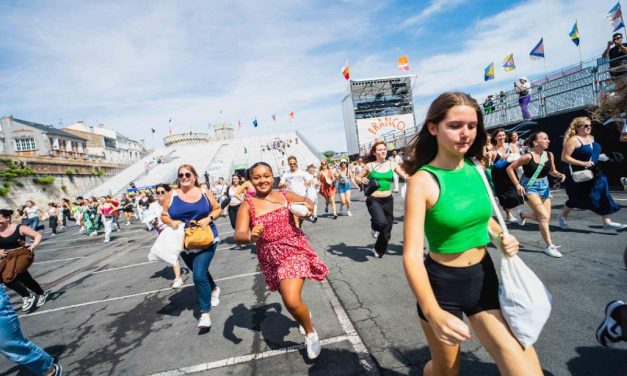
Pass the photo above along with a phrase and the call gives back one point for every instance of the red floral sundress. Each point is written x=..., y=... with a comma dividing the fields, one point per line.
x=282, y=249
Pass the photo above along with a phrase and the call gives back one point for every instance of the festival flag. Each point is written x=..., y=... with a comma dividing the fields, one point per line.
x=615, y=15
x=621, y=25
x=153, y=130
x=574, y=34
x=403, y=63
x=538, y=51
x=346, y=71
x=508, y=63
x=170, y=125
x=274, y=118
x=489, y=72
x=290, y=116
x=255, y=123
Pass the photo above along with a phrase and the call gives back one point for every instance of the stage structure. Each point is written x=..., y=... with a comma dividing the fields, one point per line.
x=376, y=108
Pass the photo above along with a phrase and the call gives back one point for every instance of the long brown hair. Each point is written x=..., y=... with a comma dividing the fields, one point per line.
x=192, y=170
x=493, y=140
x=424, y=147
x=371, y=157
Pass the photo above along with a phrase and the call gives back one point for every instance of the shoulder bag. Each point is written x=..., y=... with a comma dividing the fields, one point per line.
x=197, y=237
x=17, y=261
x=581, y=175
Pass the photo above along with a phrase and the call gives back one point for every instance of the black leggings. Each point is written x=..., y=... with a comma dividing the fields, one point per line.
x=381, y=211
x=52, y=222
x=24, y=282
x=233, y=214
x=66, y=216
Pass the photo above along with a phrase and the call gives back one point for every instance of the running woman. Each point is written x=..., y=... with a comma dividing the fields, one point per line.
x=447, y=200
x=582, y=152
x=504, y=155
x=14, y=236
x=106, y=212
x=380, y=203
x=285, y=256
x=534, y=185
x=182, y=205
x=312, y=191
x=235, y=199
x=327, y=187
x=345, y=177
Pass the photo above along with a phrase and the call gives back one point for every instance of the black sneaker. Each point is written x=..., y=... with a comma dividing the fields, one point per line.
x=609, y=328
x=326, y=208
x=315, y=219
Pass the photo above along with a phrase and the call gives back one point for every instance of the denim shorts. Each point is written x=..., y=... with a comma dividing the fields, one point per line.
x=344, y=187
x=540, y=187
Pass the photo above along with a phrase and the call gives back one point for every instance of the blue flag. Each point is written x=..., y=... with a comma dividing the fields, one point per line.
x=255, y=123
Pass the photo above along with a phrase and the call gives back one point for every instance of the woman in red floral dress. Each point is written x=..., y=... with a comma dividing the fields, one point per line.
x=284, y=254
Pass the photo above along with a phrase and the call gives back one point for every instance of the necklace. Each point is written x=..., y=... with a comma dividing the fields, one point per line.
x=266, y=199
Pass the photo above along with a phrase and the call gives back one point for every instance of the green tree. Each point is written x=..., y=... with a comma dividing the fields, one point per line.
x=328, y=155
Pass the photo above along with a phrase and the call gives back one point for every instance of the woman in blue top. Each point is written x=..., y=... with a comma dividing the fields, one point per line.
x=186, y=203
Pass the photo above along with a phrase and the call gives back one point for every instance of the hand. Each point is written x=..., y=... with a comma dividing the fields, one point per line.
x=562, y=178
x=448, y=328
x=204, y=222
x=256, y=233
x=609, y=44
x=3, y=253
x=175, y=224
x=364, y=181
x=31, y=247
x=520, y=190
x=587, y=164
x=509, y=244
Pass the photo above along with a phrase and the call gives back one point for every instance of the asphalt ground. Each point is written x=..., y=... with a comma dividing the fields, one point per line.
x=111, y=312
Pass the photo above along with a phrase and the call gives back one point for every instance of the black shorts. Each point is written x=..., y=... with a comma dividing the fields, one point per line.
x=468, y=290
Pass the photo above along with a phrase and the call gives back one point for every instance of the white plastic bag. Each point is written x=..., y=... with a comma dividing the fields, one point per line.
x=525, y=302
x=404, y=190
x=168, y=245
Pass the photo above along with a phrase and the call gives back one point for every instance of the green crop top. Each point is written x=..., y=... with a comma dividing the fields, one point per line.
x=385, y=179
x=459, y=219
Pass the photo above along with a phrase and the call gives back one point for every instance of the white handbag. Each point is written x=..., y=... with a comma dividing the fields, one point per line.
x=581, y=175
x=525, y=302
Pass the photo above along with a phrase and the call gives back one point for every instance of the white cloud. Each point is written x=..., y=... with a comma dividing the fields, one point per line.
x=435, y=7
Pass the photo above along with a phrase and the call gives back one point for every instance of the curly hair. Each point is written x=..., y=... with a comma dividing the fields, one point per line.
x=574, y=125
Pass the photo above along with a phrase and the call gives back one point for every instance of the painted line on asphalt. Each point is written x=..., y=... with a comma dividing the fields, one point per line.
x=59, y=260
x=353, y=336
x=128, y=296
x=144, y=263
x=245, y=358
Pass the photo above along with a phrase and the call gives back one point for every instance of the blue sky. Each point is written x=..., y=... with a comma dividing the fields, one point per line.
x=132, y=65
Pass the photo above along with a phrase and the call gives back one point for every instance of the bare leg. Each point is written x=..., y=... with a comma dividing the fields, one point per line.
x=510, y=357
x=290, y=290
x=444, y=358
x=542, y=215
x=348, y=200
x=566, y=211
x=177, y=269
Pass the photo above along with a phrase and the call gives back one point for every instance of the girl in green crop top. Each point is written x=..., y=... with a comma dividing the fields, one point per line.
x=380, y=203
x=447, y=200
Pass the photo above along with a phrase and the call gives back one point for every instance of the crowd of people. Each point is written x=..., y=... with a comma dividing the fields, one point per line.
x=447, y=227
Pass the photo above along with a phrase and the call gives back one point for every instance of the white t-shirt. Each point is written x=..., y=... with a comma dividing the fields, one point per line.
x=218, y=190
x=312, y=189
x=296, y=181
x=31, y=212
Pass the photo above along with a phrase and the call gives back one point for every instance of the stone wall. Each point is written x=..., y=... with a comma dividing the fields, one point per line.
x=24, y=188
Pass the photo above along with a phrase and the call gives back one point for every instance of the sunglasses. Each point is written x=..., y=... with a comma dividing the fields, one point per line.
x=160, y=192
x=292, y=164
x=185, y=175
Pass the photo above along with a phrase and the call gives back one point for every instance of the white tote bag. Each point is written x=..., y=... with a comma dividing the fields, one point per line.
x=525, y=302
x=168, y=245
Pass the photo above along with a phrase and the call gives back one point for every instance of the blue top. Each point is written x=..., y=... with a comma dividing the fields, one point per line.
x=180, y=210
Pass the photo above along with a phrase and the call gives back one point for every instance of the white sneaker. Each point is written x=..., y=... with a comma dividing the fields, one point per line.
x=375, y=253
x=94, y=233
x=614, y=226
x=521, y=221
x=205, y=321
x=552, y=251
x=561, y=221
x=348, y=213
x=82, y=230
x=512, y=219
x=312, y=343
x=107, y=240
x=41, y=299
x=215, y=297
x=177, y=283
x=128, y=223
x=375, y=234
x=27, y=303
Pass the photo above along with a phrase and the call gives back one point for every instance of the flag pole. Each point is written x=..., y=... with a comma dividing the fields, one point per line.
x=580, y=60
x=546, y=75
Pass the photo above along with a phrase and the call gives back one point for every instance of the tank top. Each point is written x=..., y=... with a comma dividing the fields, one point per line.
x=188, y=211
x=235, y=201
x=385, y=179
x=12, y=241
x=459, y=219
x=530, y=168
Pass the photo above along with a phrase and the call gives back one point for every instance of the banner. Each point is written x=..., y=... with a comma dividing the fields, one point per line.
x=372, y=129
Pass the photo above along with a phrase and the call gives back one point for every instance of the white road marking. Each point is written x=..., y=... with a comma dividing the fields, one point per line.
x=123, y=267
x=244, y=358
x=59, y=260
x=353, y=336
x=127, y=296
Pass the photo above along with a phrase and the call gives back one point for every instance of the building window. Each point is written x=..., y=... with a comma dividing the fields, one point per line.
x=25, y=144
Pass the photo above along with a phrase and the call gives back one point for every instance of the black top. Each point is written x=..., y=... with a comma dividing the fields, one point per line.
x=530, y=168
x=13, y=240
x=614, y=54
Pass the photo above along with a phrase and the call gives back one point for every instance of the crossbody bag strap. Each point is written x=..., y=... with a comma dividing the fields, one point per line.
x=534, y=177
x=495, y=207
